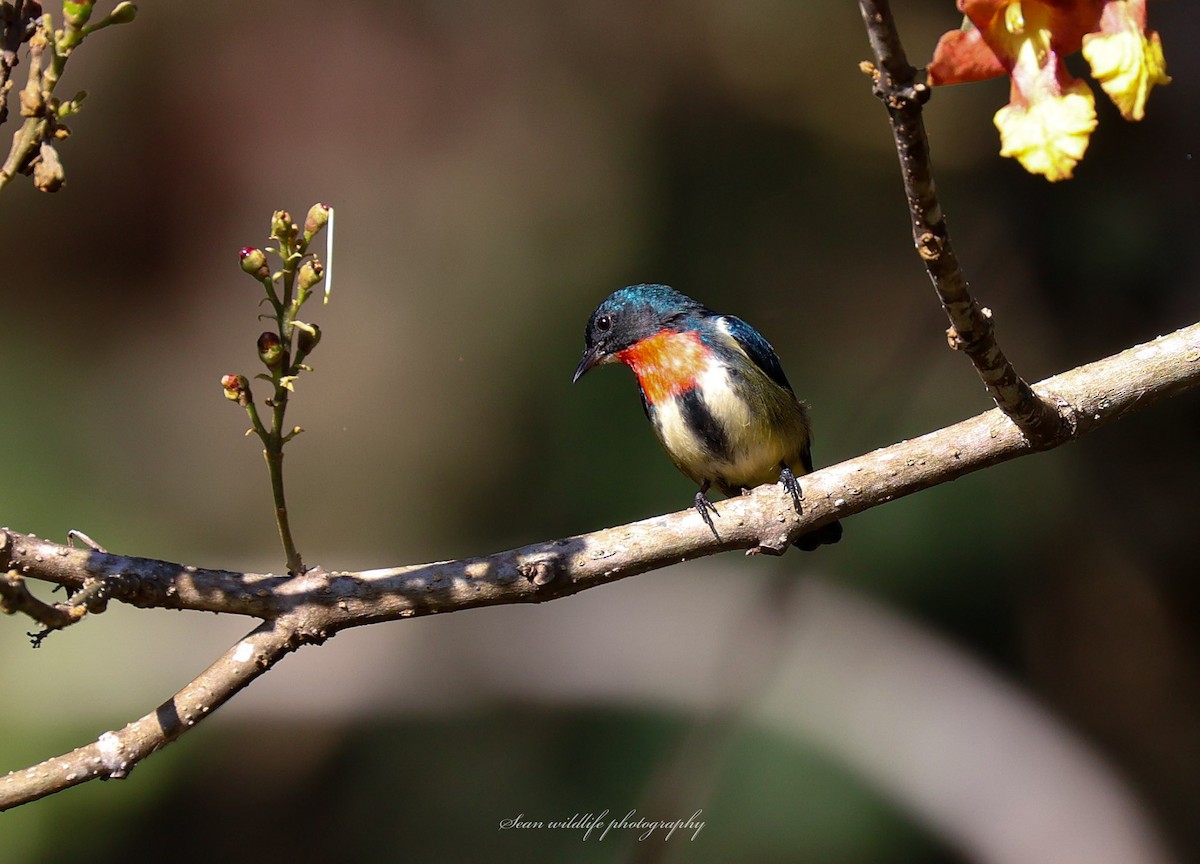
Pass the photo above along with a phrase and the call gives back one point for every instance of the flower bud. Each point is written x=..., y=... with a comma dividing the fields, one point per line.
x=310, y=274
x=318, y=216
x=123, y=13
x=282, y=227
x=307, y=339
x=270, y=349
x=77, y=12
x=75, y=30
x=254, y=262
x=237, y=389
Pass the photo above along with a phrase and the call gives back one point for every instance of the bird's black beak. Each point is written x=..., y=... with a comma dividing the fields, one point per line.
x=593, y=356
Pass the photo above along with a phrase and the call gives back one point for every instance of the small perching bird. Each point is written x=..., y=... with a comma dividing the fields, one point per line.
x=714, y=391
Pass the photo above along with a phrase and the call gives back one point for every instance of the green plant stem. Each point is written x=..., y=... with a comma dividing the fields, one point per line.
x=273, y=441
x=273, y=453
x=32, y=132
x=274, y=438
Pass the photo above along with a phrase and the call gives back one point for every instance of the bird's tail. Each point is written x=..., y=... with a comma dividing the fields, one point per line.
x=825, y=535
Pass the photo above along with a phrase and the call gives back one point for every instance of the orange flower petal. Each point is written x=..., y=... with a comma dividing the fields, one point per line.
x=962, y=56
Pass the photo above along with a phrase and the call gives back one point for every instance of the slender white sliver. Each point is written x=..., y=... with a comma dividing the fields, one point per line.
x=329, y=255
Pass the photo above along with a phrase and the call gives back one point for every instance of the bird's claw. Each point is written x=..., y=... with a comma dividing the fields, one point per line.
x=704, y=507
x=789, y=482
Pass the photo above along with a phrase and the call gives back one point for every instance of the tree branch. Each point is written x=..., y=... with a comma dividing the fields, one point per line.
x=971, y=330
x=15, y=597
x=113, y=755
x=325, y=601
x=314, y=605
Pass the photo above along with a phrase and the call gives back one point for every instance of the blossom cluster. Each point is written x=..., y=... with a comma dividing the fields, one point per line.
x=1051, y=113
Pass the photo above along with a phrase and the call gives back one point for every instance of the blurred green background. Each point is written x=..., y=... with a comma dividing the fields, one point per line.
x=498, y=169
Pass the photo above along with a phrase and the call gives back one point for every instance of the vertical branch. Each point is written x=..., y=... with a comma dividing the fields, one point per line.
x=971, y=330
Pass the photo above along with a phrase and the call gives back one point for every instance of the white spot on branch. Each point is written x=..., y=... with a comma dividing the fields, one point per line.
x=112, y=755
x=243, y=653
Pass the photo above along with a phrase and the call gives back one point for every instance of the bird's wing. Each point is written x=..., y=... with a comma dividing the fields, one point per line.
x=757, y=349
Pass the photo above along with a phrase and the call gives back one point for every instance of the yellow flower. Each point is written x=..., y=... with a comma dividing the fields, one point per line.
x=1049, y=135
x=1127, y=61
x=1051, y=114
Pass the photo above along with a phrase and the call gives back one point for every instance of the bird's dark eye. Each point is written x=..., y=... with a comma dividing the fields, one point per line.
x=603, y=323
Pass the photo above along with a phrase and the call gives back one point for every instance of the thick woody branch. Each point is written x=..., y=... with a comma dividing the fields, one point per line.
x=314, y=605
x=324, y=602
x=971, y=331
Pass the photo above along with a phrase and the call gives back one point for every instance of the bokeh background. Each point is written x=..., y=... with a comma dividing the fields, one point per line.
x=1002, y=668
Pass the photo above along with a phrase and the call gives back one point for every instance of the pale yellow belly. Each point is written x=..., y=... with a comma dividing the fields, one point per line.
x=757, y=438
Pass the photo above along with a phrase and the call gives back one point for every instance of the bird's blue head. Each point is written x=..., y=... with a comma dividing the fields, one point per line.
x=629, y=315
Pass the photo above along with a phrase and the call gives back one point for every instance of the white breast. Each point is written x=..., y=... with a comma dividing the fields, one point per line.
x=759, y=436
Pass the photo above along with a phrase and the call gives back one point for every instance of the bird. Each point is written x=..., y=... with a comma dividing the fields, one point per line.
x=714, y=391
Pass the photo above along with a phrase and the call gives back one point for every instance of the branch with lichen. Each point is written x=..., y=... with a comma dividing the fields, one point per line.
x=282, y=350
x=309, y=607
x=49, y=48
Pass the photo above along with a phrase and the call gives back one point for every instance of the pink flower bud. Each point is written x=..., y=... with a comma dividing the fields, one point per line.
x=254, y=262
x=237, y=389
x=317, y=218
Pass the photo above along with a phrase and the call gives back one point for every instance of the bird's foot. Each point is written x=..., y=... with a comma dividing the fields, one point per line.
x=704, y=507
x=789, y=482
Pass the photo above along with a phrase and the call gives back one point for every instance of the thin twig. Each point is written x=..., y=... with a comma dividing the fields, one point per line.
x=34, y=128
x=971, y=330
x=114, y=754
x=15, y=597
x=15, y=23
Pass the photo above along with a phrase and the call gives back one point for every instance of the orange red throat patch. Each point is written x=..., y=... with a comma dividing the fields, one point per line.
x=667, y=363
